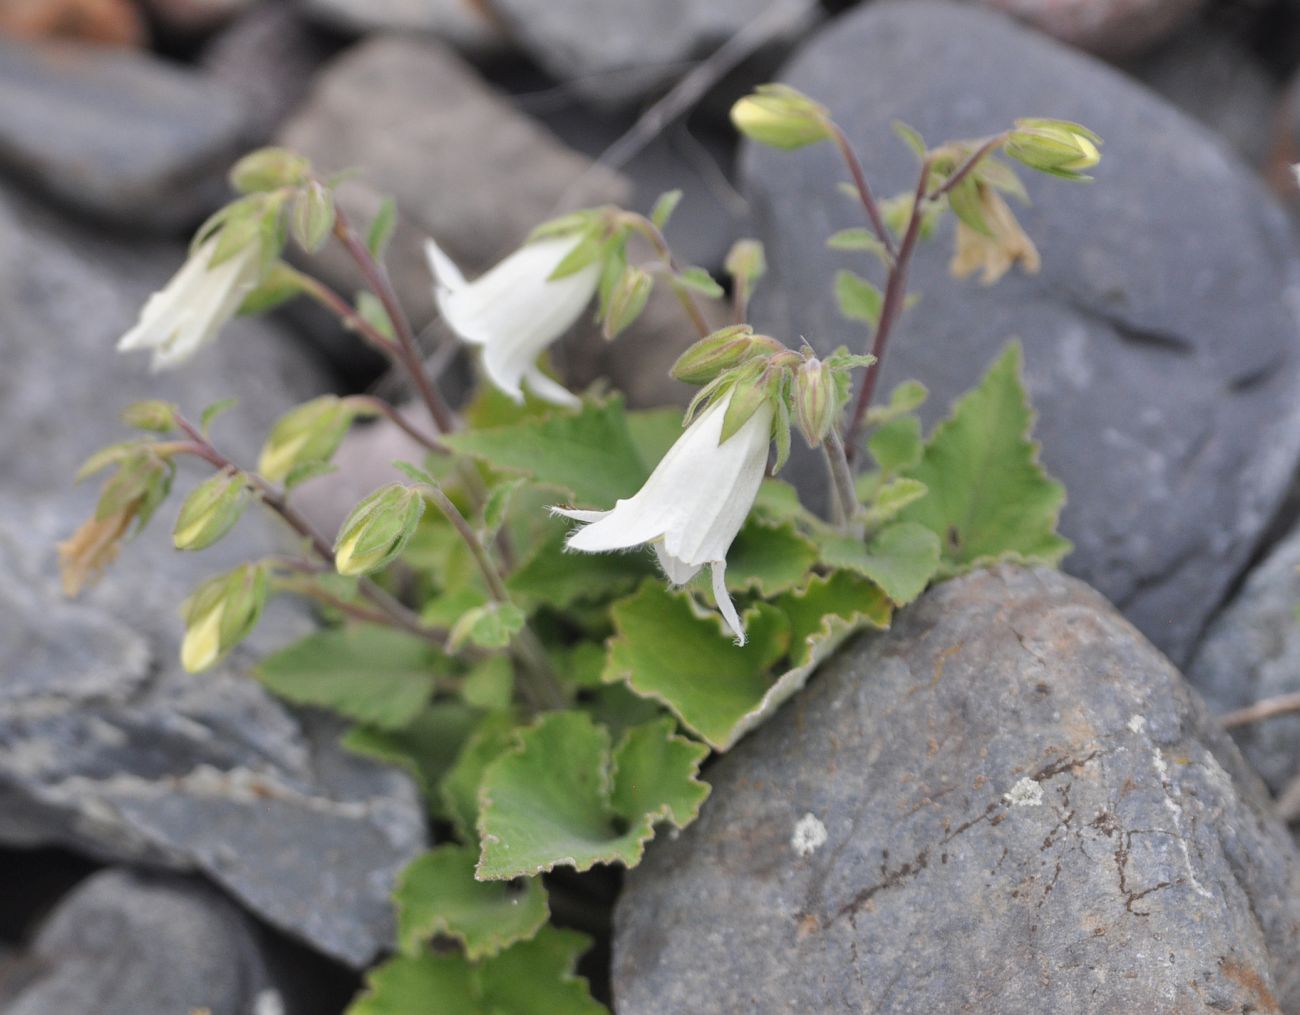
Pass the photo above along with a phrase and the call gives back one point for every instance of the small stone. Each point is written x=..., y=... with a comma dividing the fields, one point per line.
x=109, y=22
x=999, y=837
x=121, y=136
x=1252, y=651
x=1107, y=27
x=129, y=944
x=616, y=51
x=1175, y=445
x=469, y=25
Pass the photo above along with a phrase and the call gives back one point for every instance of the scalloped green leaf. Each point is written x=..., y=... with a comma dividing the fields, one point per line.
x=458, y=789
x=901, y=559
x=437, y=893
x=553, y=577
x=375, y=675
x=533, y=977
x=562, y=797
x=889, y=499
x=989, y=498
x=669, y=650
x=590, y=454
x=768, y=557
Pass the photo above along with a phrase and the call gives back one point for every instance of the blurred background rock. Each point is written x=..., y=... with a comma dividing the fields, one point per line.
x=118, y=120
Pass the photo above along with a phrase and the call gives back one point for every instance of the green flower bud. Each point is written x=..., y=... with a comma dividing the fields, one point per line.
x=220, y=614
x=1054, y=146
x=378, y=529
x=312, y=217
x=210, y=511
x=779, y=116
x=311, y=432
x=722, y=350
x=627, y=299
x=269, y=169
x=746, y=263
x=154, y=415
x=816, y=401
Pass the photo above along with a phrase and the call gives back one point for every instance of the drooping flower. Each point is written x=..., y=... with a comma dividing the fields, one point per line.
x=188, y=312
x=693, y=504
x=515, y=310
x=994, y=253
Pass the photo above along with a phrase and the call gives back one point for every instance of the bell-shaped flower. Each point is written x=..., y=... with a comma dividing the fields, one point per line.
x=993, y=253
x=516, y=310
x=189, y=311
x=693, y=504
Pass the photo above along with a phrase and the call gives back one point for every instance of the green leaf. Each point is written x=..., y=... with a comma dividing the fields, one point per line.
x=901, y=559
x=372, y=674
x=458, y=790
x=911, y=137
x=859, y=239
x=438, y=894
x=530, y=978
x=989, y=498
x=590, y=455
x=381, y=228
x=279, y=285
x=426, y=748
x=563, y=798
x=664, y=208
x=490, y=684
x=666, y=649
x=213, y=411
x=699, y=280
x=890, y=499
x=859, y=300
x=905, y=398
x=497, y=506
x=553, y=577
x=769, y=558
x=371, y=310
x=897, y=444
x=654, y=431
x=492, y=625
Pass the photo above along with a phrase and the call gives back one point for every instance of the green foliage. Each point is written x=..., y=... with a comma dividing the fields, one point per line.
x=988, y=497
x=859, y=300
x=562, y=797
x=437, y=893
x=531, y=978
x=901, y=559
x=377, y=676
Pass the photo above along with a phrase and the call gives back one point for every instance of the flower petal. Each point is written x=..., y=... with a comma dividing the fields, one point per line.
x=723, y=599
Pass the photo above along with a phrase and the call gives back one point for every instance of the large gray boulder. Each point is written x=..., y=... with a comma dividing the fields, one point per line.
x=1160, y=338
x=1010, y=802
x=106, y=746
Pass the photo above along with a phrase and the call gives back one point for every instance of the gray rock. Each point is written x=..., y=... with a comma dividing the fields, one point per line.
x=1252, y=651
x=460, y=162
x=114, y=133
x=129, y=944
x=615, y=51
x=1218, y=80
x=105, y=745
x=1107, y=27
x=1008, y=803
x=467, y=24
x=1163, y=364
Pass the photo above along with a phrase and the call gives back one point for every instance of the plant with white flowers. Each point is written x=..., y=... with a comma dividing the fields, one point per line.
x=560, y=612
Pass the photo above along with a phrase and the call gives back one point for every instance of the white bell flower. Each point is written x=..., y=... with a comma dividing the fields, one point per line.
x=188, y=312
x=515, y=311
x=693, y=504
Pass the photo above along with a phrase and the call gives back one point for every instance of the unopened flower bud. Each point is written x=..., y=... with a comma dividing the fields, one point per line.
x=311, y=432
x=220, y=614
x=782, y=117
x=722, y=350
x=746, y=262
x=154, y=415
x=628, y=299
x=1054, y=146
x=210, y=511
x=269, y=169
x=378, y=529
x=815, y=401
